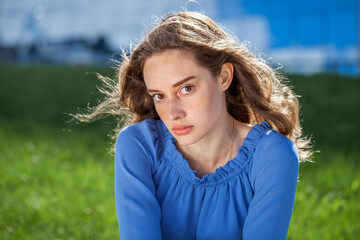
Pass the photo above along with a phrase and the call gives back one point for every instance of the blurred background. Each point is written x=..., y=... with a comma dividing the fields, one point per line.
x=57, y=177
x=305, y=36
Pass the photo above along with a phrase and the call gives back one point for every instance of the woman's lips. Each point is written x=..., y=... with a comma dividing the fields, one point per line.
x=181, y=129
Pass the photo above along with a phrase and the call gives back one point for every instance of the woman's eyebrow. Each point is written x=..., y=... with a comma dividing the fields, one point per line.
x=175, y=84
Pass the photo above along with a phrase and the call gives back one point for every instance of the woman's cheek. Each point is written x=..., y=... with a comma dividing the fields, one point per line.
x=204, y=103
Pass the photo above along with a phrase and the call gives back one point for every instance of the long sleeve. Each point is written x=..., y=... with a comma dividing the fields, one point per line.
x=274, y=180
x=137, y=208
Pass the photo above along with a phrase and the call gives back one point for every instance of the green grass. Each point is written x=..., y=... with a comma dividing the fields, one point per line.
x=330, y=109
x=327, y=200
x=46, y=93
x=57, y=179
x=55, y=184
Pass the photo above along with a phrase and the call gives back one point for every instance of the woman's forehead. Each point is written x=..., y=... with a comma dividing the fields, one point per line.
x=171, y=66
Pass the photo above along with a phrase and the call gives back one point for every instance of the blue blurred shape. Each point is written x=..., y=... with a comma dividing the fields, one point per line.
x=305, y=36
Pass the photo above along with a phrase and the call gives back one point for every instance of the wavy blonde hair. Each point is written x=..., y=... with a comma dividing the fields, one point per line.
x=258, y=92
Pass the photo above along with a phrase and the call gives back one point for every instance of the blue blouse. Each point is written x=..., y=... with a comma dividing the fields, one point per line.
x=158, y=196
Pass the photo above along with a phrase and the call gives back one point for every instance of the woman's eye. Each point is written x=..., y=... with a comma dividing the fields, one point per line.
x=186, y=89
x=158, y=97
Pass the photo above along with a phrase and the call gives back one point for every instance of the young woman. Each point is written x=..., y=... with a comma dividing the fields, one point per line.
x=214, y=147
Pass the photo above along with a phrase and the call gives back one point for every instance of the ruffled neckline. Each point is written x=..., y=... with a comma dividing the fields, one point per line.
x=244, y=155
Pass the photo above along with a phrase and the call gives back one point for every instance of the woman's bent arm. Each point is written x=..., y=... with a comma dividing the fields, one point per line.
x=137, y=208
x=274, y=179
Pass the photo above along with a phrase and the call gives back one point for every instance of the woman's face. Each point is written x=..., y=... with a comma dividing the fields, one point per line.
x=188, y=99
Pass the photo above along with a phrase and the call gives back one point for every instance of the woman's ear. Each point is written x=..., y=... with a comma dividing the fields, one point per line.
x=226, y=75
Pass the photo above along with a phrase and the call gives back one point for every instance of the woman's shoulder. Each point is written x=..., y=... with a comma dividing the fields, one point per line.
x=140, y=142
x=145, y=132
x=276, y=150
x=147, y=126
x=274, y=141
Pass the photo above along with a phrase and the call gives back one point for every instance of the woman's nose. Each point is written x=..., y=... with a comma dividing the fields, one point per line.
x=175, y=110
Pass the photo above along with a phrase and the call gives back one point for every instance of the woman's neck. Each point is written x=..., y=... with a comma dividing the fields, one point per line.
x=211, y=151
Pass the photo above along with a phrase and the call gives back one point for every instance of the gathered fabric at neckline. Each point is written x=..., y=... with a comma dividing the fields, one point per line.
x=174, y=158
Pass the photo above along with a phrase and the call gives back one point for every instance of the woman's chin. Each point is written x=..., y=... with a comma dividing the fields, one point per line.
x=184, y=140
